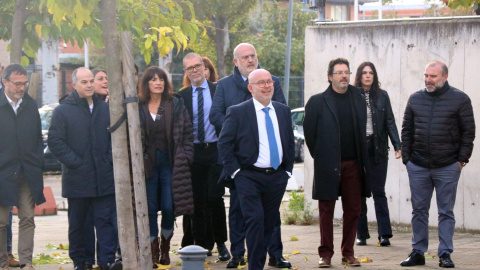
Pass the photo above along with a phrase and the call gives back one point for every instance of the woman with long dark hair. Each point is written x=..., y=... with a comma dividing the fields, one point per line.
x=167, y=137
x=380, y=126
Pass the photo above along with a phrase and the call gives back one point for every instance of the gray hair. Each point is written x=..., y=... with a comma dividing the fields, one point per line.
x=190, y=56
x=241, y=44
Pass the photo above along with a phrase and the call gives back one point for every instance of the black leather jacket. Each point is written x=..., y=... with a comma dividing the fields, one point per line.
x=383, y=125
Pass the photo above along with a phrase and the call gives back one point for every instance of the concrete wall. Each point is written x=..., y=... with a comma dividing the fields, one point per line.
x=400, y=49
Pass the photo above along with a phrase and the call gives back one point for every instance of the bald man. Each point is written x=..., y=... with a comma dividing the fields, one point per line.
x=437, y=142
x=79, y=138
x=256, y=146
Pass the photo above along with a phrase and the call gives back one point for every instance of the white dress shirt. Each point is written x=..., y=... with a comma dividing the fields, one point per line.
x=263, y=160
x=14, y=107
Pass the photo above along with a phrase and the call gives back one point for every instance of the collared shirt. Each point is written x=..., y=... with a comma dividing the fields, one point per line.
x=244, y=78
x=14, y=107
x=263, y=160
x=210, y=135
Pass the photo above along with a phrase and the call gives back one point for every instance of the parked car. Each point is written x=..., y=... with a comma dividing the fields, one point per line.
x=50, y=162
x=297, y=122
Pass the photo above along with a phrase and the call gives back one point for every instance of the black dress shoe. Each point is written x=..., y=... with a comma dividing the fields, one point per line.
x=79, y=267
x=445, y=261
x=113, y=266
x=384, y=242
x=361, y=242
x=279, y=262
x=236, y=261
x=413, y=259
x=223, y=254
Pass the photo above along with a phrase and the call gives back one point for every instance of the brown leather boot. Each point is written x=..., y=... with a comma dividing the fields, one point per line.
x=12, y=262
x=164, y=250
x=155, y=252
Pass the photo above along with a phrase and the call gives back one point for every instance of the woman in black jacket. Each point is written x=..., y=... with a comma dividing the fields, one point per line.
x=167, y=137
x=380, y=126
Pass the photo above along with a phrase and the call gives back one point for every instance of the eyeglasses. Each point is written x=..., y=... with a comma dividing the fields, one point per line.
x=246, y=57
x=192, y=68
x=20, y=84
x=264, y=83
x=367, y=72
x=342, y=72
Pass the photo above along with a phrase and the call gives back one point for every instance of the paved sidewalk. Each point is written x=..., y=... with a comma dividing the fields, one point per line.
x=53, y=230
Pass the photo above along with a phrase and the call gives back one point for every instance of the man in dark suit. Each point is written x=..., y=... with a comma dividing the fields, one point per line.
x=233, y=90
x=209, y=218
x=335, y=134
x=256, y=145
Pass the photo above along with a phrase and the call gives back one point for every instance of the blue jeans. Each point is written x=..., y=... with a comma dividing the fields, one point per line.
x=422, y=183
x=9, y=232
x=159, y=194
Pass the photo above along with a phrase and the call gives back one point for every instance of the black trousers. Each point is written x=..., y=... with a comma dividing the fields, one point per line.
x=377, y=175
x=208, y=224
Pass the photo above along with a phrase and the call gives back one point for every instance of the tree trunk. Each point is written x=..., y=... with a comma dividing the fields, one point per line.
x=136, y=153
x=165, y=62
x=18, y=26
x=222, y=43
x=123, y=189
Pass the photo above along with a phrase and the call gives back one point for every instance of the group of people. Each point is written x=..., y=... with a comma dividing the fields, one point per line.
x=235, y=133
x=351, y=159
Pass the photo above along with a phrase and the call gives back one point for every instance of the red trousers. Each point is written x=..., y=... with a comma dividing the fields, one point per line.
x=351, y=193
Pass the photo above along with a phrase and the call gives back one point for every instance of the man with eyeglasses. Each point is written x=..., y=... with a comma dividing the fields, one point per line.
x=256, y=145
x=335, y=134
x=21, y=161
x=208, y=224
x=233, y=90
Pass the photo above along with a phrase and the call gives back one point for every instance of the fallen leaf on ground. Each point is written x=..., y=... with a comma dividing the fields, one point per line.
x=241, y=266
x=295, y=267
x=161, y=266
x=295, y=252
x=286, y=256
x=430, y=256
x=366, y=260
x=293, y=238
x=306, y=258
x=179, y=263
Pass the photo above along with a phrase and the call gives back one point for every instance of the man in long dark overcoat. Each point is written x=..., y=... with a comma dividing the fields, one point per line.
x=21, y=161
x=335, y=134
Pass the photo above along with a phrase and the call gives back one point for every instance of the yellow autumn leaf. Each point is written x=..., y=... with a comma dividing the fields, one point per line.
x=295, y=252
x=56, y=254
x=63, y=252
x=286, y=256
x=161, y=266
x=60, y=246
x=366, y=260
x=38, y=29
x=179, y=263
x=293, y=238
x=241, y=266
x=60, y=268
x=295, y=267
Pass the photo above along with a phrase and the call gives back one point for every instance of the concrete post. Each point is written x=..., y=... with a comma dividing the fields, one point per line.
x=193, y=257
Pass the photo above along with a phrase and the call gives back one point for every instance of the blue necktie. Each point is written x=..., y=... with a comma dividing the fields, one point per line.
x=200, y=116
x=272, y=141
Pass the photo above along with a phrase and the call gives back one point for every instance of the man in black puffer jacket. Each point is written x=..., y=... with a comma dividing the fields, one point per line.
x=437, y=141
x=79, y=138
